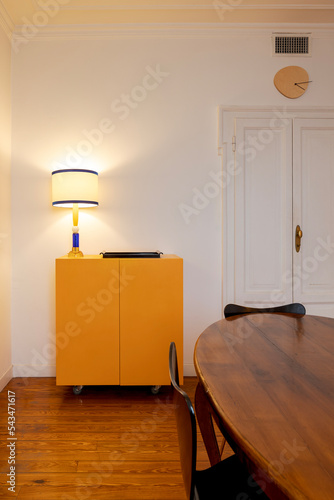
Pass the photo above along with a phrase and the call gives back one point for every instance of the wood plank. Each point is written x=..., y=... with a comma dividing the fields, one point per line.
x=125, y=491
x=8, y=495
x=123, y=438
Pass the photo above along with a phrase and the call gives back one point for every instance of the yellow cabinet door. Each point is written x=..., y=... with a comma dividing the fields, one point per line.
x=87, y=321
x=151, y=316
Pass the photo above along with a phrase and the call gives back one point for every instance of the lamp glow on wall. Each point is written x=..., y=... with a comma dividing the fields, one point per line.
x=75, y=188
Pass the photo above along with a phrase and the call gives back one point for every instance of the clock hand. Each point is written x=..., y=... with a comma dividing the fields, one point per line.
x=309, y=81
x=299, y=86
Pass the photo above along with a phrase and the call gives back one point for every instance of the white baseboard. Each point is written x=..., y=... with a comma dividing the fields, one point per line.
x=6, y=377
x=34, y=371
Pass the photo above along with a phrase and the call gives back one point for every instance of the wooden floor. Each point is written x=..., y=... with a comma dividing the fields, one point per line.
x=106, y=443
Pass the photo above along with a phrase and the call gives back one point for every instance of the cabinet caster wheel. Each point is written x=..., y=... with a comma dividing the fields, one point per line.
x=155, y=389
x=77, y=389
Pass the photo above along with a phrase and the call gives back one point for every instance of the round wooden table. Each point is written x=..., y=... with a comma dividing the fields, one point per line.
x=269, y=380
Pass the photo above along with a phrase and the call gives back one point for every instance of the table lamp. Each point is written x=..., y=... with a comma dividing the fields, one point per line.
x=74, y=188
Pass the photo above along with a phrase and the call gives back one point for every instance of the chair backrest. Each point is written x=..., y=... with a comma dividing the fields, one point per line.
x=234, y=309
x=186, y=426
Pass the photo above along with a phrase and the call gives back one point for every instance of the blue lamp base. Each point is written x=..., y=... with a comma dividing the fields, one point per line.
x=75, y=253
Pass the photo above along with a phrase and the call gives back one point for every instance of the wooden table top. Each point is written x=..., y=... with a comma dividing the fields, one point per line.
x=270, y=378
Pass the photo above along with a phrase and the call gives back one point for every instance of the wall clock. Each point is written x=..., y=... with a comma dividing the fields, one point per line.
x=291, y=81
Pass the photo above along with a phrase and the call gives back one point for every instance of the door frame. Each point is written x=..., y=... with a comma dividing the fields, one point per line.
x=226, y=132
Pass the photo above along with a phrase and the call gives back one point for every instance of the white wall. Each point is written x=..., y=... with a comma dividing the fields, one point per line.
x=5, y=221
x=162, y=148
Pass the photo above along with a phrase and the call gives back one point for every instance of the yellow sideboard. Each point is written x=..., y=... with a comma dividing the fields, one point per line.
x=115, y=319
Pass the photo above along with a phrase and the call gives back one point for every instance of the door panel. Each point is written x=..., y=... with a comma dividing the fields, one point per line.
x=87, y=321
x=151, y=317
x=263, y=211
x=313, y=182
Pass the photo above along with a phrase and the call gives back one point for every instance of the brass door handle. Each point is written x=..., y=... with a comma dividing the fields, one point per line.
x=298, y=237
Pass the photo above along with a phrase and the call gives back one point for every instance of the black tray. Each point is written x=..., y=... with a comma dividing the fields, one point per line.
x=131, y=255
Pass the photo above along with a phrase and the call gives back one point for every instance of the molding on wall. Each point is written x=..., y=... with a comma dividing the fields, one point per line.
x=6, y=21
x=6, y=377
x=145, y=30
x=13, y=15
x=186, y=6
x=280, y=111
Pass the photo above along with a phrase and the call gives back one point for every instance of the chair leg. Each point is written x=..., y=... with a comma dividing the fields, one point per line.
x=222, y=446
x=205, y=414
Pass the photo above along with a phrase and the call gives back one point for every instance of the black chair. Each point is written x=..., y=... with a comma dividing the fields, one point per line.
x=234, y=309
x=228, y=479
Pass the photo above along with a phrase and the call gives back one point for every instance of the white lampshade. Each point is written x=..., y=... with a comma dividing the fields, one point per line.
x=71, y=186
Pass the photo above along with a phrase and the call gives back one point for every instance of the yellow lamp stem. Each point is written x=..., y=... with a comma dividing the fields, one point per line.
x=75, y=214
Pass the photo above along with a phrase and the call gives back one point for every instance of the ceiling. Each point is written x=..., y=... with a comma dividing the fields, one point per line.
x=82, y=13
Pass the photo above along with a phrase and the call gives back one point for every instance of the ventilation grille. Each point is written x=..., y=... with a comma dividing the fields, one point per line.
x=292, y=45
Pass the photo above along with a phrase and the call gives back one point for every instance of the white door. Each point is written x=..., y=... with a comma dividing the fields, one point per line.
x=313, y=210
x=283, y=177
x=263, y=211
